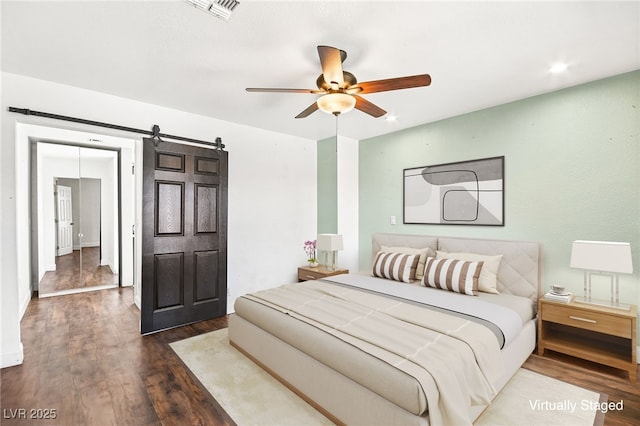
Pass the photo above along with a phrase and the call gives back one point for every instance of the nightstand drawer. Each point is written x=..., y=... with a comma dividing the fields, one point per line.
x=305, y=274
x=588, y=320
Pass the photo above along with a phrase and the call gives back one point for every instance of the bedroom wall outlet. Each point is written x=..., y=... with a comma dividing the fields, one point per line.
x=392, y=220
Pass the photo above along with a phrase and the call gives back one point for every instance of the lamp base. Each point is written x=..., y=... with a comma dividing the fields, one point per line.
x=605, y=303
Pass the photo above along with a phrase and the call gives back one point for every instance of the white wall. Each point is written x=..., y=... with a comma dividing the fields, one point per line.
x=10, y=345
x=89, y=212
x=272, y=187
x=347, y=187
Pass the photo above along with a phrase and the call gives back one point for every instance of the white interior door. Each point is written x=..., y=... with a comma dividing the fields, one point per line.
x=65, y=220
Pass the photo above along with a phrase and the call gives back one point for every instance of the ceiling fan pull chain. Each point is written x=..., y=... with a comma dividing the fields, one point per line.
x=337, y=115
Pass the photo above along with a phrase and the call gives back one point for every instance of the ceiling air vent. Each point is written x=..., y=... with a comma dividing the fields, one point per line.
x=219, y=8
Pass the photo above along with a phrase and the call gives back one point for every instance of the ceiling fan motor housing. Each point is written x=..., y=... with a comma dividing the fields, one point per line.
x=349, y=81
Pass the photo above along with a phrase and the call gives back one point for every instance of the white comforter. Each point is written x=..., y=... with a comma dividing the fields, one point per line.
x=506, y=319
x=454, y=353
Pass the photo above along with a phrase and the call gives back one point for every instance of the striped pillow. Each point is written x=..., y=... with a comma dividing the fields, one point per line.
x=453, y=275
x=423, y=252
x=396, y=266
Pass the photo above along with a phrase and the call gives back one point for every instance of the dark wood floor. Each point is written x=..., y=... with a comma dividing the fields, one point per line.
x=85, y=359
x=612, y=382
x=68, y=274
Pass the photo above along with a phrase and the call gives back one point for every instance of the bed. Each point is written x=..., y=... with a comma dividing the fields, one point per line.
x=368, y=350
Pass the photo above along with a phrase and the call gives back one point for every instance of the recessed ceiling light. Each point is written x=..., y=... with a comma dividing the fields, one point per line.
x=391, y=119
x=558, y=68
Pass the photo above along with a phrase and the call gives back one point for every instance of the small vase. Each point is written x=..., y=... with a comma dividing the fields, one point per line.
x=313, y=264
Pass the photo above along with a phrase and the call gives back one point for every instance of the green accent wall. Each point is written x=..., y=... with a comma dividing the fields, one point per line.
x=327, y=186
x=572, y=171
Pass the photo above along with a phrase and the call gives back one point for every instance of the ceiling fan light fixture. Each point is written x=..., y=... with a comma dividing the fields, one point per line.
x=336, y=103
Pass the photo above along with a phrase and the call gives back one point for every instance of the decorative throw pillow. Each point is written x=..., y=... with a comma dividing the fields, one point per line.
x=422, y=252
x=488, y=280
x=453, y=275
x=395, y=266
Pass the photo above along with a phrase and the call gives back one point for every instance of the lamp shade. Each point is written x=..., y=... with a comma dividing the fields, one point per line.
x=601, y=256
x=336, y=103
x=329, y=242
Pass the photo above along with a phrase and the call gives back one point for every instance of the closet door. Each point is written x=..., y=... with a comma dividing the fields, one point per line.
x=58, y=165
x=99, y=217
x=184, y=235
x=78, y=222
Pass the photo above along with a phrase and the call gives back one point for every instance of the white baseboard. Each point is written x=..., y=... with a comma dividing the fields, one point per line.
x=24, y=304
x=104, y=262
x=11, y=359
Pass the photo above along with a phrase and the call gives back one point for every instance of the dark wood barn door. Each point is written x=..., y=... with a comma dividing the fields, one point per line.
x=184, y=235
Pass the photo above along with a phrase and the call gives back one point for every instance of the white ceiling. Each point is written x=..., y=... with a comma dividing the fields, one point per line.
x=479, y=54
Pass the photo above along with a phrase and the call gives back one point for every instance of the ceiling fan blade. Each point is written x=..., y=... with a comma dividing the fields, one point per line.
x=394, y=83
x=307, y=112
x=365, y=106
x=275, y=89
x=331, y=60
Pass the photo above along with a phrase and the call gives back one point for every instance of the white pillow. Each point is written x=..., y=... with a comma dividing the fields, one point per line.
x=488, y=281
x=423, y=252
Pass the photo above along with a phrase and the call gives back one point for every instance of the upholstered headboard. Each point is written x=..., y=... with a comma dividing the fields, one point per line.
x=520, y=270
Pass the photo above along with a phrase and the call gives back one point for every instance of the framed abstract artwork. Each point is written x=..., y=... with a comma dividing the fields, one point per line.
x=463, y=193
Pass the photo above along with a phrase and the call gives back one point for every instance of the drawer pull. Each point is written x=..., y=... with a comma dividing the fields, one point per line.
x=583, y=319
x=311, y=277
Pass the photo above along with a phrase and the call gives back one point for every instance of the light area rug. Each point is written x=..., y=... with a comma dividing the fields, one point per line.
x=252, y=397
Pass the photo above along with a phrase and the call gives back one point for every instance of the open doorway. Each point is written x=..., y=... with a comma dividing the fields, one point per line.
x=101, y=187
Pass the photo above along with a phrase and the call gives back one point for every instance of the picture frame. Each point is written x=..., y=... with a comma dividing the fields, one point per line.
x=461, y=193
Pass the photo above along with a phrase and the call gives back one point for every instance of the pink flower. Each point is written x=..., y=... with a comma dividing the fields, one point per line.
x=310, y=249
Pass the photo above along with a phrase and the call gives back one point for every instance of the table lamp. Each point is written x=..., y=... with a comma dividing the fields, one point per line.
x=602, y=258
x=330, y=243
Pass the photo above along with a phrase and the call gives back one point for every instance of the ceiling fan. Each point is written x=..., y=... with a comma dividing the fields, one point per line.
x=340, y=89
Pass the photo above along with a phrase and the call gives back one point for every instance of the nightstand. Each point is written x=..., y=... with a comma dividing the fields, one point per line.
x=306, y=273
x=595, y=333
